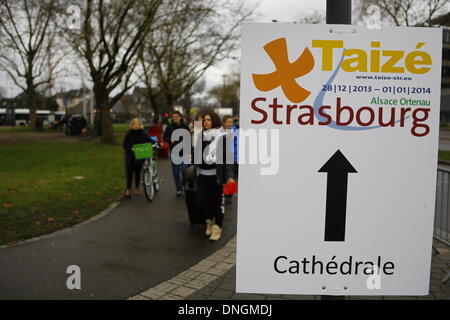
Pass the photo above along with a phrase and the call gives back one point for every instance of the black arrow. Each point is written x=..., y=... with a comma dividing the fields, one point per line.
x=338, y=168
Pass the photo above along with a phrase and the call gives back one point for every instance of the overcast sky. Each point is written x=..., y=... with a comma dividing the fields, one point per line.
x=268, y=10
x=287, y=10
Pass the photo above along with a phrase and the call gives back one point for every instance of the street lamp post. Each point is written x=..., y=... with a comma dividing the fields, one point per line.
x=11, y=109
x=224, y=84
x=10, y=114
x=139, y=108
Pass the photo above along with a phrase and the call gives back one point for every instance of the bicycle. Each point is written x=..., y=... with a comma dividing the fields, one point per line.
x=150, y=178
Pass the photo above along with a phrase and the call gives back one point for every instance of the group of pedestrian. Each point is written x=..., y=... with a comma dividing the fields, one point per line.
x=212, y=173
x=74, y=125
x=209, y=176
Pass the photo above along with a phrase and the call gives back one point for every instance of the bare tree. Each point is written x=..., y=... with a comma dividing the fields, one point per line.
x=109, y=42
x=227, y=92
x=27, y=34
x=191, y=37
x=187, y=99
x=147, y=75
x=313, y=17
x=404, y=12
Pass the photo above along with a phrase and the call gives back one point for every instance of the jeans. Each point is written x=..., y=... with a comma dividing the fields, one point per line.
x=133, y=168
x=178, y=171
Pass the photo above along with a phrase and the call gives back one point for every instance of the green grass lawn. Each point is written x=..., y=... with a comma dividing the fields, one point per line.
x=444, y=155
x=121, y=127
x=23, y=129
x=124, y=127
x=118, y=128
x=39, y=191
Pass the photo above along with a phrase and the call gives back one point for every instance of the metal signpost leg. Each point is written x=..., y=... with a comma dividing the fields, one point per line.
x=435, y=250
x=338, y=12
x=446, y=278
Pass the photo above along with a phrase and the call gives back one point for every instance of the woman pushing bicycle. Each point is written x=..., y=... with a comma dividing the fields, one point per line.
x=136, y=135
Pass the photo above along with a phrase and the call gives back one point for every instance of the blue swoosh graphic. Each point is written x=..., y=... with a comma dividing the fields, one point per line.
x=319, y=103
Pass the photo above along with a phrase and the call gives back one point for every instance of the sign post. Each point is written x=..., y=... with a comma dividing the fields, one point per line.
x=351, y=117
x=338, y=12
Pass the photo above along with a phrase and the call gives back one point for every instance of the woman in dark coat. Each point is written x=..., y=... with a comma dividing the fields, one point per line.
x=212, y=174
x=136, y=135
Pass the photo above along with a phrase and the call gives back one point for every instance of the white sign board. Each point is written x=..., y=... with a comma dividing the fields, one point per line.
x=349, y=209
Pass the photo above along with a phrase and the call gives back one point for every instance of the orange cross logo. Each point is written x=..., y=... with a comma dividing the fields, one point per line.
x=286, y=72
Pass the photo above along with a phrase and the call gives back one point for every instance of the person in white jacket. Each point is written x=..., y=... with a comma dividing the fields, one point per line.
x=212, y=175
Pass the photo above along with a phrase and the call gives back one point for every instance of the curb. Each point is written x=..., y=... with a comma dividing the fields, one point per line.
x=68, y=230
x=195, y=278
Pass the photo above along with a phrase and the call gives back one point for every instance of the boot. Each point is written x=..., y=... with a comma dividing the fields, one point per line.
x=216, y=233
x=209, y=225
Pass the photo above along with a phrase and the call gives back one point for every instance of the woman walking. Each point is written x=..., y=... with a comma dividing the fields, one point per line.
x=133, y=167
x=212, y=174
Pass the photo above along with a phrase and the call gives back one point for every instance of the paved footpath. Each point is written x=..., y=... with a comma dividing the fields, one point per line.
x=215, y=277
x=136, y=246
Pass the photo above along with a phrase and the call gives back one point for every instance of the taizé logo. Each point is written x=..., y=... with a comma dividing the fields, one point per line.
x=286, y=72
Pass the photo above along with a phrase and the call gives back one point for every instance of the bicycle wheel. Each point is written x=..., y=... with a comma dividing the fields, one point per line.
x=149, y=189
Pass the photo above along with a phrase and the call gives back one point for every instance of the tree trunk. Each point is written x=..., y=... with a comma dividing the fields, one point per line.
x=155, y=106
x=169, y=100
x=30, y=99
x=102, y=100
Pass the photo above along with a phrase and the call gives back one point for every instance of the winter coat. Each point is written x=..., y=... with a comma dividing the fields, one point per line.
x=168, y=133
x=224, y=171
x=134, y=137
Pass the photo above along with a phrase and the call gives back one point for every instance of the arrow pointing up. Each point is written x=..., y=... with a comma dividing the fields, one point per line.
x=338, y=168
